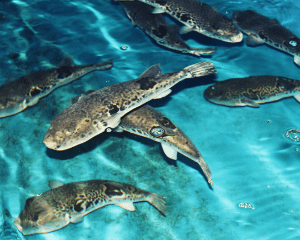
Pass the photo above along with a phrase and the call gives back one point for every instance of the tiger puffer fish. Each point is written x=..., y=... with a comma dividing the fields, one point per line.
x=69, y=203
x=17, y=95
x=261, y=29
x=252, y=91
x=157, y=28
x=150, y=123
x=197, y=16
x=100, y=110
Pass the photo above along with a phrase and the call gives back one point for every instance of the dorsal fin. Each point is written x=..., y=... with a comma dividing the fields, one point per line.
x=153, y=71
x=67, y=61
x=55, y=184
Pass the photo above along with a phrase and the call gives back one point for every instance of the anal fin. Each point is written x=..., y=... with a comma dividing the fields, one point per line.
x=250, y=103
x=128, y=206
x=170, y=152
x=297, y=97
x=163, y=94
x=185, y=29
x=77, y=220
x=157, y=10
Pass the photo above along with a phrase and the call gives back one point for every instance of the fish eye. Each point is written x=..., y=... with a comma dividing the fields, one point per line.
x=213, y=88
x=157, y=131
x=293, y=43
x=161, y=41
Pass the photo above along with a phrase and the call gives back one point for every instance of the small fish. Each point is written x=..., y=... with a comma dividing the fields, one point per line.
x=94, y=113
x=262, y=29
x=197, y=16
x=150, y=123
x=157, y=28
x=69, y=203
x=17, y=95
x=251, y=91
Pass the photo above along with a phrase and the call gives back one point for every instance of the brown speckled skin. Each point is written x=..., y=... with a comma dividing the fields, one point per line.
x=16, y=95
x=269, y=30
x=201, y=17
x=158, y=28
x=103, y=109
x=58, y=207
x=259, y=89
x=142, y=120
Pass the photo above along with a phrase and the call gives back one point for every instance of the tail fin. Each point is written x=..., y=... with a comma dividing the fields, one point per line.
x=104, y=65
x=158, y=202
x=205, y=169
x=200, y=69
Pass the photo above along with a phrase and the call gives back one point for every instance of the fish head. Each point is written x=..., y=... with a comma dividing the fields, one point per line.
x=70, y=128
x=223, y=29
x=12, y=105
x=38, y=217
x=218, y=94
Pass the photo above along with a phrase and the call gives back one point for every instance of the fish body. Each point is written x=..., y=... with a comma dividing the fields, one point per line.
x=252, y=91
x=17, y=95
x=261, y=29
x=150, y=123
x=94, y=113
x=69, y=203
x=157, y=28
x=197, y=16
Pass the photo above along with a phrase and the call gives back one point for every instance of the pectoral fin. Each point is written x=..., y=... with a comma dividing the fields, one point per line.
x=77, y=220
x=115, y=122
x=250, y=103
x=118, y=129
x=163, y=94
x=297, y=60
x=185, y=29
x=157, y=10
x=128, y=206
x=55, y=184
x=253, y=41
x=297, y=97
x=170, y=152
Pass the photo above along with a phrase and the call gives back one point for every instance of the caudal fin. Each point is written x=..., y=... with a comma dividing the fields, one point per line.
x=200, y=69
x=104, y=65
x=158, y=202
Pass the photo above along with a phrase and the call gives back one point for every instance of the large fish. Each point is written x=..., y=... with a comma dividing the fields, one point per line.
x=150, y=123
x=251, y=91
x=197, y=16
x=262, y=29
x=69, y=203
x=157, y=28
x=17, y=95
x=94, y=113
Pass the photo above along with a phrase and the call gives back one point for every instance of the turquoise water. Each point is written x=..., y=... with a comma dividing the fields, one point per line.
x=254, y=165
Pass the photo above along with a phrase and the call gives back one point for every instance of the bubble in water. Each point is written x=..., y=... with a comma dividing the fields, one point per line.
x=297, y=149
x=293, y=135
x=246, y=205
x=123, y=47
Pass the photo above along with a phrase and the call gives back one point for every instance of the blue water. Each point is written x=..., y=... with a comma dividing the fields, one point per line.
x=252, y=161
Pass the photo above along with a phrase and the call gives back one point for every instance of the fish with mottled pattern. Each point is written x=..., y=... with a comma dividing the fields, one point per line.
x=94, y=113
x=69, y=203
x=197, y=16
x=261, y=29
x=150, y=123
x=252, y=91
x=17, y=95
x=157, y=28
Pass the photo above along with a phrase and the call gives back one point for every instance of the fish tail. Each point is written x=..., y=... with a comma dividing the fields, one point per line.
x=205, y=169
x=158, y=202
x=104, y=65
x=200, y=69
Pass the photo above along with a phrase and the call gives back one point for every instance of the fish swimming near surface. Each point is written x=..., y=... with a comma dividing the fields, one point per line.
x=261, y=29
x=157, y=28
x=69, y=203
x=17, y=95
x=252, y=91
x=197, y=16
x=150, y=123
x=92, y=114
